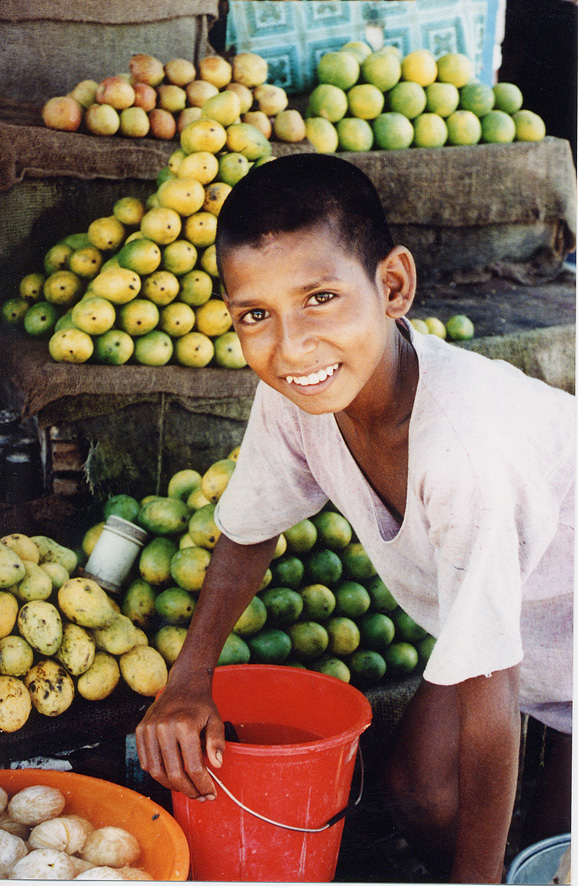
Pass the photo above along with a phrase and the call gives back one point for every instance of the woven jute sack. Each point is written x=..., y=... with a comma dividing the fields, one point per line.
x=48, y=46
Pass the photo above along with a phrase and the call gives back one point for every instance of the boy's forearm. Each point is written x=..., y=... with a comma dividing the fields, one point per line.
x=234, y=575
x=488, y=769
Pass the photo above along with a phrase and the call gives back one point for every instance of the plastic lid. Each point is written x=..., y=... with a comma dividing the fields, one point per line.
x=126, y=528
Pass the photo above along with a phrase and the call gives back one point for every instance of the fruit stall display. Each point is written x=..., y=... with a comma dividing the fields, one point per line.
x=321, y=604
x=63, y=636
x=364, y=99
x=142, y=283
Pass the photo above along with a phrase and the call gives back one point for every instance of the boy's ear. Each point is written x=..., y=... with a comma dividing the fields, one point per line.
x=397, y=277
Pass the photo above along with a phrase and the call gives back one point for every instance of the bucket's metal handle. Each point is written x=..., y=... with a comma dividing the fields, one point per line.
x=333, y=820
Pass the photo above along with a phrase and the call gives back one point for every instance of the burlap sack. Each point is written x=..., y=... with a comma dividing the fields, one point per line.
x=47, y=46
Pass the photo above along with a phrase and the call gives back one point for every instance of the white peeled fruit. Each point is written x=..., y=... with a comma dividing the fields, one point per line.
x=111, y=846
x=43, y=864
x=36, y=803
x=66, y=833
x=12, y=848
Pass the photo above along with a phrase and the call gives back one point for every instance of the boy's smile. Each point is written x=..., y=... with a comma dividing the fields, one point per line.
x=311, y=323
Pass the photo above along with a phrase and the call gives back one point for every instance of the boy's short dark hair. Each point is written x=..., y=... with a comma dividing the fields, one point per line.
x=302, y=191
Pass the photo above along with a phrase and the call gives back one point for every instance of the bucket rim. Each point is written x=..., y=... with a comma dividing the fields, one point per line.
x=352, y=732
x=561, y=840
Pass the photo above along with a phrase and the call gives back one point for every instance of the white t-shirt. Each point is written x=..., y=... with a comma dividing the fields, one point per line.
x=484, y=556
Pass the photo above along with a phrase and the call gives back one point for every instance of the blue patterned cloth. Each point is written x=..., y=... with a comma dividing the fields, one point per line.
x=293, y=35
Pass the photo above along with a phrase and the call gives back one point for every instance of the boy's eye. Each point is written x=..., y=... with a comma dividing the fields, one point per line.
x=321, y=298
x=254, y=316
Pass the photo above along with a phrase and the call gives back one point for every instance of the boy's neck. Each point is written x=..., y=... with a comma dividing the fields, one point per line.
x=386, y=404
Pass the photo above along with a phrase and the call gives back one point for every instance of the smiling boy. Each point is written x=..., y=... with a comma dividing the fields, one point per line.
x=456, y=473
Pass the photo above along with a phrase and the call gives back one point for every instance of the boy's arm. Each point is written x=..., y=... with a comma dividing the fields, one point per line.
x=171, y=736
x=489, y=742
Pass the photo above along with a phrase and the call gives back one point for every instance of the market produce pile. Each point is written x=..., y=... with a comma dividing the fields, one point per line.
x=159, y=100
x=368, y=100
x=62, y=636
x=41, y=840
x=321, y=604
x=142, y=284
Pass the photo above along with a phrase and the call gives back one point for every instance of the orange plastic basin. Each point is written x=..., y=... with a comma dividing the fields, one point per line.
x=165, y=851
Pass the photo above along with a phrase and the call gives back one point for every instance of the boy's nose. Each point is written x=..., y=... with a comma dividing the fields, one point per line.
x=294, y=340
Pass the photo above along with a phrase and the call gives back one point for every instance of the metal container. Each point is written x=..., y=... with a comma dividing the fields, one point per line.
x=115, y=553
x=538, y=863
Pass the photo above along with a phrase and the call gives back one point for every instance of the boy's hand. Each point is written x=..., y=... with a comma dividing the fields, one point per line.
x=171, y=738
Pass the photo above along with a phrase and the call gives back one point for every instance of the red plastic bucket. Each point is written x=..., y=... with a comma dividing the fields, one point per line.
x=299, y=774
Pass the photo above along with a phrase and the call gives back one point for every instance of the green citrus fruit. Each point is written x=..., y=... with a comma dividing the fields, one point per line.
x=401, y=658
x=356, y=563
x=333, y=667
x=327, y=101
x=284, y=606
x=338, y=68
x=478, y=98
x=333, y=530
x=408, y=99
x=270, y=646
x=498, y=128
x=442, y=98
x=323, y=567
x=430, y=131
x=354, y=134
x=460, y=328
x=392, y=131
x=464, y=128
x=377, y=631
x=121, y=505
x=301, y=537
x=321, y=134
x=425, y=647
x=352, y=599
x=382, y=69
x=455, y=68
x=252, y=619
x=406, y=628
x=508, y=97
x=344, y=635
x=365, y=101
x=234, y=651
x=529, y=126
x=309, y=639
x=419, y=66
x=318, y=602
x=288, y=571
x=367, y=667
x=382, y=599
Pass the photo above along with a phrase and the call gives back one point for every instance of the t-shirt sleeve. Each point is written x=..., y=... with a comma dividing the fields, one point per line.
x=475, y=532
x=272, y=487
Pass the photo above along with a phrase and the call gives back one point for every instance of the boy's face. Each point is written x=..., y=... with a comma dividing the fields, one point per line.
x=311, y=323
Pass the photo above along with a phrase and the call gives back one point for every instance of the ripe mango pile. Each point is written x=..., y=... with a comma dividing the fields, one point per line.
x=142, y=284
x=367, y=99
x=62, y=636
x=159, y=100
x=320, y=606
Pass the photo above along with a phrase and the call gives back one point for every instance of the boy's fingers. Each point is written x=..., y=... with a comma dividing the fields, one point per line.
x=215, y=741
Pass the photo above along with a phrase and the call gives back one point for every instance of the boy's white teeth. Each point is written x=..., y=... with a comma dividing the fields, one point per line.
x=314, y=378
